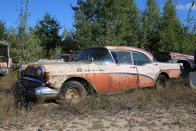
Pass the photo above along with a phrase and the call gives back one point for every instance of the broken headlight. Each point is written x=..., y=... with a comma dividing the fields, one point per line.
x=40, y=71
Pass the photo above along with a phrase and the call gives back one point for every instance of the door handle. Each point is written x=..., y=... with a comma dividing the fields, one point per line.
x=155, y=64
x=133, y=67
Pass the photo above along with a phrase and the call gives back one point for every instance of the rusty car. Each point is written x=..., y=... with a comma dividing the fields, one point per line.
x=5, y=59
x=186, y=61
x=95, y=70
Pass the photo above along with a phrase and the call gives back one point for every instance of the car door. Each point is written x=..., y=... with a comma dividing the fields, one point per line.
x=122, y=73
x=146, y=69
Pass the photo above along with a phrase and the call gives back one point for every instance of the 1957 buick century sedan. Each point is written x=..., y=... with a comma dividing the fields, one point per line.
x=95, y=70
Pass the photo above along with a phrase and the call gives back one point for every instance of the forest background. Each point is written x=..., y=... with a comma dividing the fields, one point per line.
x=100, y=23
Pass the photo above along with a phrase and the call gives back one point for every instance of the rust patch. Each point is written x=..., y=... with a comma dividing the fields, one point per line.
x=172, y=73
x=99, y=81
x=145, y=81
x=122, y=81
x=181, y=55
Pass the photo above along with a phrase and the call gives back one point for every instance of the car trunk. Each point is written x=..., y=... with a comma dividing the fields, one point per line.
x=163, y=56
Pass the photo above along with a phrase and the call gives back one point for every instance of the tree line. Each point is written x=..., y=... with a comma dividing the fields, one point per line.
x=99, y=23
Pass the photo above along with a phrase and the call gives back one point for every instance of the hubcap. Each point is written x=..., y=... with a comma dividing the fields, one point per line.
x=72, y=95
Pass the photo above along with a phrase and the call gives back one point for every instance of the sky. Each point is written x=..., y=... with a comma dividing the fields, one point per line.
x=61, y=10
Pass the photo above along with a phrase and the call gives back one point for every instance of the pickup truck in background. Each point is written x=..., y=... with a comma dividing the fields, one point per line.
x=5, y=60
x=187, y=61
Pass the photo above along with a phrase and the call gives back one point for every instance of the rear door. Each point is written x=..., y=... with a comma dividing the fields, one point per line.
x=146, y=69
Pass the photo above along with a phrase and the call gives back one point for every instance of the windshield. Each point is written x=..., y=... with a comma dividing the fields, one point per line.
x=3, y=52
x=94, y=54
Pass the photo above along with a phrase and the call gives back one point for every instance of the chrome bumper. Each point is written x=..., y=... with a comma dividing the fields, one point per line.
x=44, y=93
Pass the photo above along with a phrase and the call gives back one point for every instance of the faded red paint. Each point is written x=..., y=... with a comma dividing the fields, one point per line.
x=98, y=81
x=113, y=82
x=122, y=82
x=181, y=55
x=145, y=81
x=172, y=73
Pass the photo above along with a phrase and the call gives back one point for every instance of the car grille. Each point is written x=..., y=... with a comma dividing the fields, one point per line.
x=30, y=84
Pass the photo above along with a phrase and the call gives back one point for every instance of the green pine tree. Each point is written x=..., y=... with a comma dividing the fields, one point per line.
x=170, y=29
x=107, y=22
x=150, y=27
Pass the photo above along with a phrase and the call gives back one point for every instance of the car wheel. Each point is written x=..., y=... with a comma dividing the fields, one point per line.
x=72, y=92
x=161, y=82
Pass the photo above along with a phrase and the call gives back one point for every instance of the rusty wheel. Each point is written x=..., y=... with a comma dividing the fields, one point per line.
x=72, y=92
x=161, y=82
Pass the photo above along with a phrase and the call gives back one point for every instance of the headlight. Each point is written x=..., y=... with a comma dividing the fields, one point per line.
x=40, y=71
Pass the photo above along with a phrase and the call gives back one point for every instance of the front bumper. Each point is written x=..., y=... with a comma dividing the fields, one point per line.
x=43, y=93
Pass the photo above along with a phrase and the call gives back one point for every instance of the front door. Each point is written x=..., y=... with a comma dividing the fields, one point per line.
x=122, y=74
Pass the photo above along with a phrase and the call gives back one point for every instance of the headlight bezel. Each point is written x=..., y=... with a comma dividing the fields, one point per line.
x=40, y=72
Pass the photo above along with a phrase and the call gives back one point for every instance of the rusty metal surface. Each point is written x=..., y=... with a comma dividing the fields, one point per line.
x=145, y=81
x=122, y=81
x=172, y=73
x=178, y=55
x=99, y=81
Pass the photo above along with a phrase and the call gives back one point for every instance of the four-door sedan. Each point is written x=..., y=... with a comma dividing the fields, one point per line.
x=96, y=70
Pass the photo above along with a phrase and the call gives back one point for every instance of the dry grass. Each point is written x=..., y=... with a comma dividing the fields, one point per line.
x=177, y=100
x=176, y=93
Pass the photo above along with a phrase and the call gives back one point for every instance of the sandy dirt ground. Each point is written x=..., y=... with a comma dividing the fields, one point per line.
x=177, y=117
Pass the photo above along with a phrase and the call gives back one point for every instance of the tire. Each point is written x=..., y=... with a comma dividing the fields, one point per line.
x=72, y=92
x=161, y=82
x=186, y=69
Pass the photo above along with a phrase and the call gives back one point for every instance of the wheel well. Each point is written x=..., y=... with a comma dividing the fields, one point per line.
x=164, y=74
x=89, y=88
x=185, y=64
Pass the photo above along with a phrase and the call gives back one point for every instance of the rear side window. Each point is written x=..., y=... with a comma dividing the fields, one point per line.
x=122, y=57
x=140, y=59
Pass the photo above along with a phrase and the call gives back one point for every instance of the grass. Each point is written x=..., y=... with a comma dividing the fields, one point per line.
x=176, y=94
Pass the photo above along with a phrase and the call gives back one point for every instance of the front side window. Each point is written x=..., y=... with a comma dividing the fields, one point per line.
x=94, y=54
x=140, y=59
x=122, y=57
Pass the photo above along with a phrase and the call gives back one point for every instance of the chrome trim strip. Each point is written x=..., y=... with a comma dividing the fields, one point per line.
x=131, y=74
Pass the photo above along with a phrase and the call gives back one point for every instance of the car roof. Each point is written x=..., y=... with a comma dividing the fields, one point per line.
x=126, y=48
